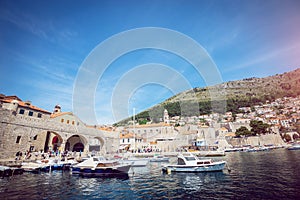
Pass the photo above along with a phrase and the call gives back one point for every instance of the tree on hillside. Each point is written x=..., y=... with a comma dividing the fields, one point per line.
x=243, y=131
x=143, y=121
x=258, y=127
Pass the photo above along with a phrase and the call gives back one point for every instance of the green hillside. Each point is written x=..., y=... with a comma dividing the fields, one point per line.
x=246, y=92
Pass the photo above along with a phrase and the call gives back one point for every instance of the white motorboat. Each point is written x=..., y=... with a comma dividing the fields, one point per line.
x=100, y=166
x=294, y=147
x=191, y=163
x=35, y=167
x=159, y=158
x=137, y=162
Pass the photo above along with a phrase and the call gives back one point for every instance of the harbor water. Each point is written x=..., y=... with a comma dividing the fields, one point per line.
x=273, y=174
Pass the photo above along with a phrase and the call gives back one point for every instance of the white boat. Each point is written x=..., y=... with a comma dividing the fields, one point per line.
x=100, y=166
x=137, y=162
x=191, y=163
x=159, y=158
x=58, y=164
x=35, y=167
x=294, y=147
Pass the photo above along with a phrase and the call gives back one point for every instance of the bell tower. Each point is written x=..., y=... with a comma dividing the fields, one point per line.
x=166, y=117
x=57, y=109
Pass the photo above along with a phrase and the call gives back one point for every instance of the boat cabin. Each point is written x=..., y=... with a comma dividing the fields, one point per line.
x=191, y=159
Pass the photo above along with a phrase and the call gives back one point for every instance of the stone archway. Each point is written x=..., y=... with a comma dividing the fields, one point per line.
x=78, y=147
x=53, y=142
x=76, y=143
x=96, y=144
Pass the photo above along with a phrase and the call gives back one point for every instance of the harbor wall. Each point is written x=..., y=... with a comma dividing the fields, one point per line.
x=270, y=139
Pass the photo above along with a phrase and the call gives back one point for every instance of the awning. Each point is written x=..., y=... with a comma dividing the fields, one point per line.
x=124, y=146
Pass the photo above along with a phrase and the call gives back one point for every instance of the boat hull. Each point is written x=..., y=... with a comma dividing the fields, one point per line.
x=294, y=148
x=159, y=159
x=203, y=168
x=136, y=162
x=139, y=163
x=101, y=171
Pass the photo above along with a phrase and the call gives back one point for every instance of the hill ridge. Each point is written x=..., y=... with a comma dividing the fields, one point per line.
x=238, y=93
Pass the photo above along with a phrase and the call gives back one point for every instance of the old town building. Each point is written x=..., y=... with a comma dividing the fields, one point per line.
x=24, y=127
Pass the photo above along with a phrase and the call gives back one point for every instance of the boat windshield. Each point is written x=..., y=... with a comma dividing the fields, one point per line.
x=190, y=158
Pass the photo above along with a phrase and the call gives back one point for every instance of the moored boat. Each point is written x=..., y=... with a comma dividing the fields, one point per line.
x=294, y=147
x=35, y=167
x=5, y=171
x=100, y=166
x=57, y=164
x=135, y=161
x=159, y=158
x=191, y=163
x=10, y=171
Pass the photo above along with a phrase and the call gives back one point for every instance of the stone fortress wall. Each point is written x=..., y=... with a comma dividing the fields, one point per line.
x=21, y=132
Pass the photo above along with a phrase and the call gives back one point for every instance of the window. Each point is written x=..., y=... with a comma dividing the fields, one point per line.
x=123, y=140
x=18, y=139
x=35, y=137
x=128, y=139
x=21, y=111
x=68, y=121
x=62, y=120
x=73, y=122
x=39, y=115
x=30, y=113
x=31, y=148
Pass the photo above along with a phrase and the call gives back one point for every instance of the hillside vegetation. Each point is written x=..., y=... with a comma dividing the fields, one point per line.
x=246, y=92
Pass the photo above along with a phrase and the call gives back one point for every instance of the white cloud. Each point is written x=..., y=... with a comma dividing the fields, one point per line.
x=42, y=28
x=268, y=56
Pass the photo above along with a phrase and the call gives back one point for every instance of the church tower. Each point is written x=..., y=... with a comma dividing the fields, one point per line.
x=166, y=117
x=57, y=109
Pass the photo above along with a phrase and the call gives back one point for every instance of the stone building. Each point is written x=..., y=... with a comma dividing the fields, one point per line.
x=24, y=127
x=158, y=137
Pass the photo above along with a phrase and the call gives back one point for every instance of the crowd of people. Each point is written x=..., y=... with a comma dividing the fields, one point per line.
x=40, y=155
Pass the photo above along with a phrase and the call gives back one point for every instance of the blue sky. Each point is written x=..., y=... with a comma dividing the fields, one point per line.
x=44, y=43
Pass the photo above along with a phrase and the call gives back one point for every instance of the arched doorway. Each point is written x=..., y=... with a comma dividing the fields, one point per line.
x=78, y=147
x=53, y=142
x=96, y=144
x=76, y=143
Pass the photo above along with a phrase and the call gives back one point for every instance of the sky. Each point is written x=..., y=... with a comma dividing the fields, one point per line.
x=44, y=44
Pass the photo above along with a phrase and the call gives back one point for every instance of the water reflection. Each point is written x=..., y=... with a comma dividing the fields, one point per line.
x=261, y=175
x=106, y=176
x=197, y=181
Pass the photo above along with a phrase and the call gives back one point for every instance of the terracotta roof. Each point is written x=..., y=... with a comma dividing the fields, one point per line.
x=10, y=98
x=153, y=142
x=150, y=125
x=24, y=104
x=54, y=115
x=109, y=129
x=128, y=135
x=230, y=134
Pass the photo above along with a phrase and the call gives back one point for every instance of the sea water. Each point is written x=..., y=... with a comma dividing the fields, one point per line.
x=273, y=174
